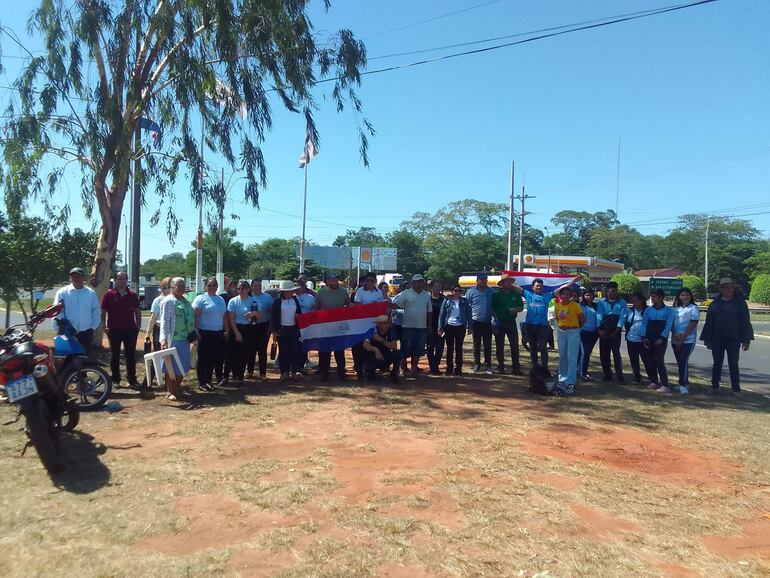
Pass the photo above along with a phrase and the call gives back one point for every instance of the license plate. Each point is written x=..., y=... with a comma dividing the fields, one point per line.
x=21, y=388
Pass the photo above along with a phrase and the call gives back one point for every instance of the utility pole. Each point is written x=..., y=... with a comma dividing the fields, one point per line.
x=220, y=256
x=617, y=185
x=706, y=275
x=304, y=219
x=509, y=262
x=522, y=197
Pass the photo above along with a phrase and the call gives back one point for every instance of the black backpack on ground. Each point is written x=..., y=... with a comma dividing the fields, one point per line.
x=539, y=378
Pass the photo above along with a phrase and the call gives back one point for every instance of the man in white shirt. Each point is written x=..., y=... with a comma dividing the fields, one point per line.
x=81, y=307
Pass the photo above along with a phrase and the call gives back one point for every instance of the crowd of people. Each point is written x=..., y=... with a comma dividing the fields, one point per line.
x=230, y=331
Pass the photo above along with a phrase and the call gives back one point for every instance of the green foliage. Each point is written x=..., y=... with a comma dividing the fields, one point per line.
x=627, y=284
x=577, y=228
x=171, y=265
x=235, y=258
x=363, y=237
x=411, y=254
x=758, y=264
x=760, y=289
x=694, y=284
x=199, y=64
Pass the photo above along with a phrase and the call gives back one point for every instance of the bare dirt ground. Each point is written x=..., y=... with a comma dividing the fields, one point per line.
x=468, y=476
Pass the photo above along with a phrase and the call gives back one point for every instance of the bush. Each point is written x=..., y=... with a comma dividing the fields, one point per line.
x=627, y=284
x=694, y=284
x=760, y=289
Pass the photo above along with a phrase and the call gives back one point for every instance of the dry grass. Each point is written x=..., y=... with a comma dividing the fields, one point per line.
x=438, y=478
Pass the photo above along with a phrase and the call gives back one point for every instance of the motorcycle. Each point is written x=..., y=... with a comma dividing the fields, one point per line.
x=81, y=376
x=29, y=376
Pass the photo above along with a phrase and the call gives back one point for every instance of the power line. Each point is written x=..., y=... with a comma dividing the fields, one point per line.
x=432, y=19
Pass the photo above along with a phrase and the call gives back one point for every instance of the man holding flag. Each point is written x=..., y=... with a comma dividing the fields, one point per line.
x=331, y=297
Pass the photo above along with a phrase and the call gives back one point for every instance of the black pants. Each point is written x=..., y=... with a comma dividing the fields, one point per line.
x=86, y=339
x=211, y=355
x=682, y=354
x=289, y=354
x=657, y=369
x=607, y=346
x=637, y=351
x=588, y=341
x=718, y=349
x=503, y=330
x=238, y=350
x=156, y=338
x=128, y=340
x=391, y=360
x=325, y=361
x=454, y=336
x=482, y=331
x=358, y=359
x=538, y=343
x=258, y=348
x=434, y=349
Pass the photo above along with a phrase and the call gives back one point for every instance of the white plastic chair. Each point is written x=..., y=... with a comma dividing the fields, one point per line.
x=157, y=358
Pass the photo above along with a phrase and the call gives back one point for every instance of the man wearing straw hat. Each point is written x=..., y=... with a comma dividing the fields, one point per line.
x=727, y=330
x=506, y=303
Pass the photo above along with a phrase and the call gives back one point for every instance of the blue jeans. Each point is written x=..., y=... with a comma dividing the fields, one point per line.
x=569, y=346
x=413, y=342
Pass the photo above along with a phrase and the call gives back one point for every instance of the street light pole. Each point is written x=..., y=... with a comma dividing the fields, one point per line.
x=706, y=274
x=220, y=256
x=522, y=197
x=509, y=262
x=199, y=243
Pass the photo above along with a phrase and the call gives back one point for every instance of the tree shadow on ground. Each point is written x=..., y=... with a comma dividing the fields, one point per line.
x=84, y=472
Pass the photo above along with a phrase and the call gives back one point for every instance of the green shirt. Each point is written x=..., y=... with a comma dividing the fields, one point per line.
x=184, y=321
x=502, y=301
x=331, y=298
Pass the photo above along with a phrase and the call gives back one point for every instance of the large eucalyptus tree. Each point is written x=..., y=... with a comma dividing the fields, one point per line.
x=181, y=63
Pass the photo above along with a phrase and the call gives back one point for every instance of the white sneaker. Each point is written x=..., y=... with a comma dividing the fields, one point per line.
x=683, y=389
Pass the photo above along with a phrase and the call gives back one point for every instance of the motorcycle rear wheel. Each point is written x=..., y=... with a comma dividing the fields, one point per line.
x=71, y=416
x=42, y=434
x=89, y=385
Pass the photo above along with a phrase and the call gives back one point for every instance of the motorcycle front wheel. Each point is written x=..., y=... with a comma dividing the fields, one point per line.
x=42, y=432
x=89, y=385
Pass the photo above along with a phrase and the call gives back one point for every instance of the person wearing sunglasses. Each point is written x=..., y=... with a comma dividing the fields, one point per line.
x=241, y=310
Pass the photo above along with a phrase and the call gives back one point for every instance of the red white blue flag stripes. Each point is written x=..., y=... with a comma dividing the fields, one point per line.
x=551, y=281
x=339, y=328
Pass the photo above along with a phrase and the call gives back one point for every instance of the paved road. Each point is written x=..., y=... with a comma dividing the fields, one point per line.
x=46, y=325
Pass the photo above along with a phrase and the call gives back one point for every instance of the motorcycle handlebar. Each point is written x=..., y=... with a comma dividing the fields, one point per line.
x=46, y=313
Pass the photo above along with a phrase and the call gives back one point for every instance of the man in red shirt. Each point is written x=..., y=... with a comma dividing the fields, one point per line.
x=120, y=308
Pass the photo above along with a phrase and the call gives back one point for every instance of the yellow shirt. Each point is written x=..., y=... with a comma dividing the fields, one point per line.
x=567, y=315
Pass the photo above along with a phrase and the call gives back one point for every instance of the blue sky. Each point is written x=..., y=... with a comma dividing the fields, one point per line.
x=686, y=93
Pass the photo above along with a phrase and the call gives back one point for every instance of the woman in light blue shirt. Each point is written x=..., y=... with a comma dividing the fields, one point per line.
x=589, y=332
x=634, y=336
x=683, y=334
x=210, y=312
x=241, y=310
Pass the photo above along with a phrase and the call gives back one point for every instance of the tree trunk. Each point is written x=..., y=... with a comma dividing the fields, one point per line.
x=106, y=246
x=7, y=312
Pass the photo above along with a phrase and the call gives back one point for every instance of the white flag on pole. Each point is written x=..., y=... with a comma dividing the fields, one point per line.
x=309, y=152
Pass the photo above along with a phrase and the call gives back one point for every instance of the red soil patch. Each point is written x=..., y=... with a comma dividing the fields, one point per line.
x=150, y=441
x=753, y=542
x=556, y=481
x=411, y=571
x=258, y=563
x=215, y=521
x=600, y=525
x=632, y=451
x=674, y=570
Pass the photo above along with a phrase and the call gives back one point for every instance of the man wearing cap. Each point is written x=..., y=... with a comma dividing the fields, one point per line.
x=418, y=321
x=122, y=319
x=81, y=307
x=727, y=330
x=381, y=350
x=331, y=297
x=506, y=303
x=368, y=293
x=480, y=300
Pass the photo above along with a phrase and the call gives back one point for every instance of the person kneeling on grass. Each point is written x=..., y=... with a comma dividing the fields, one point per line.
x=381, y=350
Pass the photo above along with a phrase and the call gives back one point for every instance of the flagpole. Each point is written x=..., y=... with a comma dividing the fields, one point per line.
x=304, y=218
